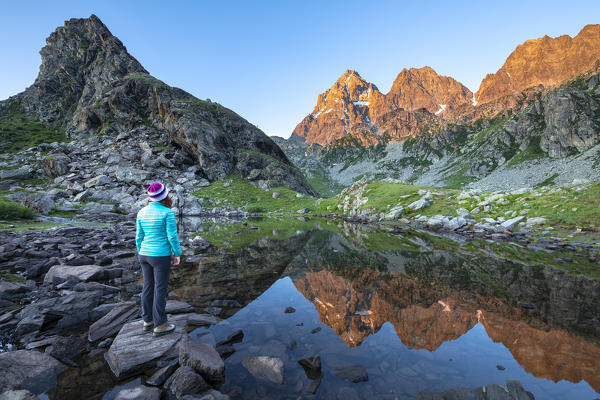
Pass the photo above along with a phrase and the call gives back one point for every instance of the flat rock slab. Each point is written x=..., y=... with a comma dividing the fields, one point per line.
x=203, y=358
x=30, y=370
x=178, y=307
x=112, y=322
x=84, y=273
x=352, y=373
x=265, y=367
x=134, y=350
x=140, y=392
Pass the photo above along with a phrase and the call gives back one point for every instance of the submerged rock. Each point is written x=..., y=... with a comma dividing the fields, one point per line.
x=28, y=369
x=352, y=373
x=511, y=391
x=265, y=367
x=140, y=392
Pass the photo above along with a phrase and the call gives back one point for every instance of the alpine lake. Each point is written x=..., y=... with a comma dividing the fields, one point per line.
x=418, y=312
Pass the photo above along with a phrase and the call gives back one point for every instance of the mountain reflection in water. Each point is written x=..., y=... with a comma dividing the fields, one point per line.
x=419, y=314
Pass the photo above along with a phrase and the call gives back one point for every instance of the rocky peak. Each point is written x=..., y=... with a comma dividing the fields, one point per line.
x=79, y=61
x=345, y=105
x=417, y=88
x=356, y=107
x=545, y=61
x=89, y=85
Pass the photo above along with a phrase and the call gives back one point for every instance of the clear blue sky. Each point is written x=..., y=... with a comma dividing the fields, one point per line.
x=268, y=60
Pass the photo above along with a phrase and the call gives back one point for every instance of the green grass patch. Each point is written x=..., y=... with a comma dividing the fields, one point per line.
x=533, y=151
x=12, y=278
x=10, y=210
x=20, y=131
x=23, y=225
x=325, y=186
x=235, y=192
x=238, y=236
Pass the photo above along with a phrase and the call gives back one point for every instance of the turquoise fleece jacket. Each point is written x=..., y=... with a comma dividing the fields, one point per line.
x=156, y=231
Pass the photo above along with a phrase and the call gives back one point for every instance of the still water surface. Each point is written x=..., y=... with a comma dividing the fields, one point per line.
x=420, y=313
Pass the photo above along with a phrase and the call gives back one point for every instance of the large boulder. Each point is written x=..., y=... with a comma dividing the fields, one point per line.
x=56, y=165
x=84, y=273
x=65, y=312
x=40, y=202
x=185, y=381
x=203, y=358
x=24, y=172
x=28, y=369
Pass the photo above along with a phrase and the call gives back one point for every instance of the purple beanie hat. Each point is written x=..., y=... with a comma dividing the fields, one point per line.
x=157, y=191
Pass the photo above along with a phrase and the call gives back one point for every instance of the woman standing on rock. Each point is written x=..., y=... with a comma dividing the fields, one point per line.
x=156, y=239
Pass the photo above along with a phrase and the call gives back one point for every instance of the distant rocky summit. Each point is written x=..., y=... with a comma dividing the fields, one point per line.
x=89, y=85
x=355, y=107
x=545, y=61
x=536, y=121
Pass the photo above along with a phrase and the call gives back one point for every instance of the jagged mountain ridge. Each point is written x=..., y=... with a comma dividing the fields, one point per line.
x=89, y=84
x=545, y=61
x=352, y=104
x=421, y=101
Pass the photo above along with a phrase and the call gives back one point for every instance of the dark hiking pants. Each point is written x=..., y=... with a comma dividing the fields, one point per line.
x=156, y=272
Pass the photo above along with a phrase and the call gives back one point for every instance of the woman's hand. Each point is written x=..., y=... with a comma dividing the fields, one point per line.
x=176, y=260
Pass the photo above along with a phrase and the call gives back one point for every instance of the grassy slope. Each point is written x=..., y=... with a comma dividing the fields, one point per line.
x=19, y=131
x=563, y=207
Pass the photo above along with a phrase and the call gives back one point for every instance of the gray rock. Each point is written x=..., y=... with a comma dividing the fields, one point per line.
x=65, y=349
x=28, y=369
x=208, y=395
x=264, y=367
x=185, y=381
x=203, y=358
x=535, y=221
x=24, y=172
x=40, y=202
x=178, y=307
x=83, y=196
x=160, y=376
x=419, y=204
x=134, y=350
x=352, y=373
x=140, y=392
x=84, y=273
x=275, y=195
x=112, y=322
x=97, y=181
x=509, y=224
x=65, y=312
x=396, y=212
x=511, y=391
x=56, y=165
x=18, y=395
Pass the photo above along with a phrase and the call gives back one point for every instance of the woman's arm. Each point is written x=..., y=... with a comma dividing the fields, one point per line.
x=172, y=234
x=139, y=234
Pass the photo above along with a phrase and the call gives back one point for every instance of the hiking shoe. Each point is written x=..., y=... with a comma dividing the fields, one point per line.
x=163, y=329
x=148, y=326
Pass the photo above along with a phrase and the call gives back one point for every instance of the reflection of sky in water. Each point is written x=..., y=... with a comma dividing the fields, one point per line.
x=394, y=369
